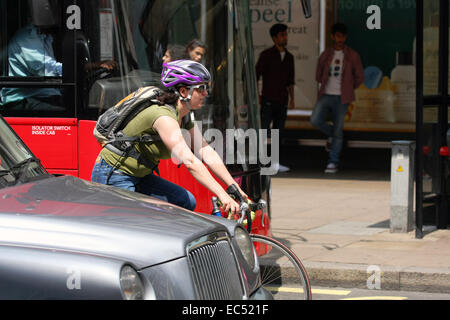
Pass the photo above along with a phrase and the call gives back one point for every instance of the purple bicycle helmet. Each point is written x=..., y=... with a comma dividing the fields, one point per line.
x=186, y=72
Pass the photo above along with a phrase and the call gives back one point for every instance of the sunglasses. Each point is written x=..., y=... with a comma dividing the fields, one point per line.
x=200, y=87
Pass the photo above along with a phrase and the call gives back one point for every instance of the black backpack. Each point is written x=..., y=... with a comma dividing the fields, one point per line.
x=109, y=126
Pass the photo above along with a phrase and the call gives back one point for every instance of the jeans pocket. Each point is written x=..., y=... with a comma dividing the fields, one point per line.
x=98, y=174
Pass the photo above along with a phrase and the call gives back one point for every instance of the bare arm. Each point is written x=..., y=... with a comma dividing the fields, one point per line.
x=291, y=97
x=212, y=159
x=170, y=133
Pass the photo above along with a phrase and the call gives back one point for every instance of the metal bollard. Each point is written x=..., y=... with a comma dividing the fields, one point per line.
x=402, y=186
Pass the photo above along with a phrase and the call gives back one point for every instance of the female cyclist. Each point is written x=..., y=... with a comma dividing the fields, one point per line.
x=186, y=84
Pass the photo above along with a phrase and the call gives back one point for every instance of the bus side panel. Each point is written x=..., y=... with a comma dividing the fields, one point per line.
x=182, y=177
x=52, y=140
x=88, y=148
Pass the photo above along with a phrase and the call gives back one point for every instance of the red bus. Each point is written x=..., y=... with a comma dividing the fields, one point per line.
x=54, y=104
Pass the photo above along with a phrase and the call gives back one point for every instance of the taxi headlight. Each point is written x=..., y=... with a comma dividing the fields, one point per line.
x=131, y=284
x=245, y=244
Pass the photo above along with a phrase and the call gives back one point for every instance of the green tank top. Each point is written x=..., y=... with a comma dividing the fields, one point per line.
x=154, y=152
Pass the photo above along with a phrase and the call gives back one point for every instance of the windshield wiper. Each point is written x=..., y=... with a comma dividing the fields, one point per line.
x=22, y=167
x=5, y=180
x=25, y=162
x=17, y=173
x=4, y=172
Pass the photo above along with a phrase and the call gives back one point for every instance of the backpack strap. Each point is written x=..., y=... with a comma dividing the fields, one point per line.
x=123, y=146
x=133, y=153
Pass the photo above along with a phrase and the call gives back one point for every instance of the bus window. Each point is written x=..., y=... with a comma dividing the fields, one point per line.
x=107, y=39
x=32, y=70
x=232, y=102
x=54, y=67
x=136, y=33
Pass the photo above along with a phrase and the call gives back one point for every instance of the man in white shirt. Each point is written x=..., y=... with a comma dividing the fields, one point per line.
x=339, y=72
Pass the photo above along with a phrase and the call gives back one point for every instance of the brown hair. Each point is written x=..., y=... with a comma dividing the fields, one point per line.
x=168, y=97
x=176, y=52
x=194, y=44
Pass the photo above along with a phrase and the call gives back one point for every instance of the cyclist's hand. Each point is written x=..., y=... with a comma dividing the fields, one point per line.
x=243, y=194
x=228, y=204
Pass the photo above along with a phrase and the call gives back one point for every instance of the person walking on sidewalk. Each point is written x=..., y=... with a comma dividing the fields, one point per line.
x=339, y=73
x=276, y=66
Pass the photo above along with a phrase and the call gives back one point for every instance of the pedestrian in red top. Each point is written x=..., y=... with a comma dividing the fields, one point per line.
x=276, y=67
x=339, y=73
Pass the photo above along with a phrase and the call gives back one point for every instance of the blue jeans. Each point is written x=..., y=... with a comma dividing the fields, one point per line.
x=331, y=104
x=151, y=185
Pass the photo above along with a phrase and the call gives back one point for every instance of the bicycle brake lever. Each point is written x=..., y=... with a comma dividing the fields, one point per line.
x=262, y=204
x=244, y=208
x=245, y=213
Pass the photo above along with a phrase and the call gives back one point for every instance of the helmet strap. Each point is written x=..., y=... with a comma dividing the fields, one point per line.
x=187, y=100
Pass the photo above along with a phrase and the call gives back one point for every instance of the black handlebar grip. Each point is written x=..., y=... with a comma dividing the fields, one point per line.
x=232, y=190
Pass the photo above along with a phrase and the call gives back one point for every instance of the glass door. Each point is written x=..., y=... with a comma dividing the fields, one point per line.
x=432, y=62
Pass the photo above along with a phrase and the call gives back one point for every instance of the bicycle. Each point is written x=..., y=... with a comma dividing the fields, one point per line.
x=282, y=272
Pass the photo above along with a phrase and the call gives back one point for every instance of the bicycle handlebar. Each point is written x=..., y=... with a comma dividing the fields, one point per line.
x=246, y=207
x=244, y=211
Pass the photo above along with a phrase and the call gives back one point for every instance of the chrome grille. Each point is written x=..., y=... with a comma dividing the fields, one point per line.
x=214, y=268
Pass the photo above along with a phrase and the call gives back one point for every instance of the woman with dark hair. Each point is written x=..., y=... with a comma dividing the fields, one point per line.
x=195, y=50
x=186, y=82
x=174, y=52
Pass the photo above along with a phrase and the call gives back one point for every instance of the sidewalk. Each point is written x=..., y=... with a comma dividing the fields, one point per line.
x=339, y=227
